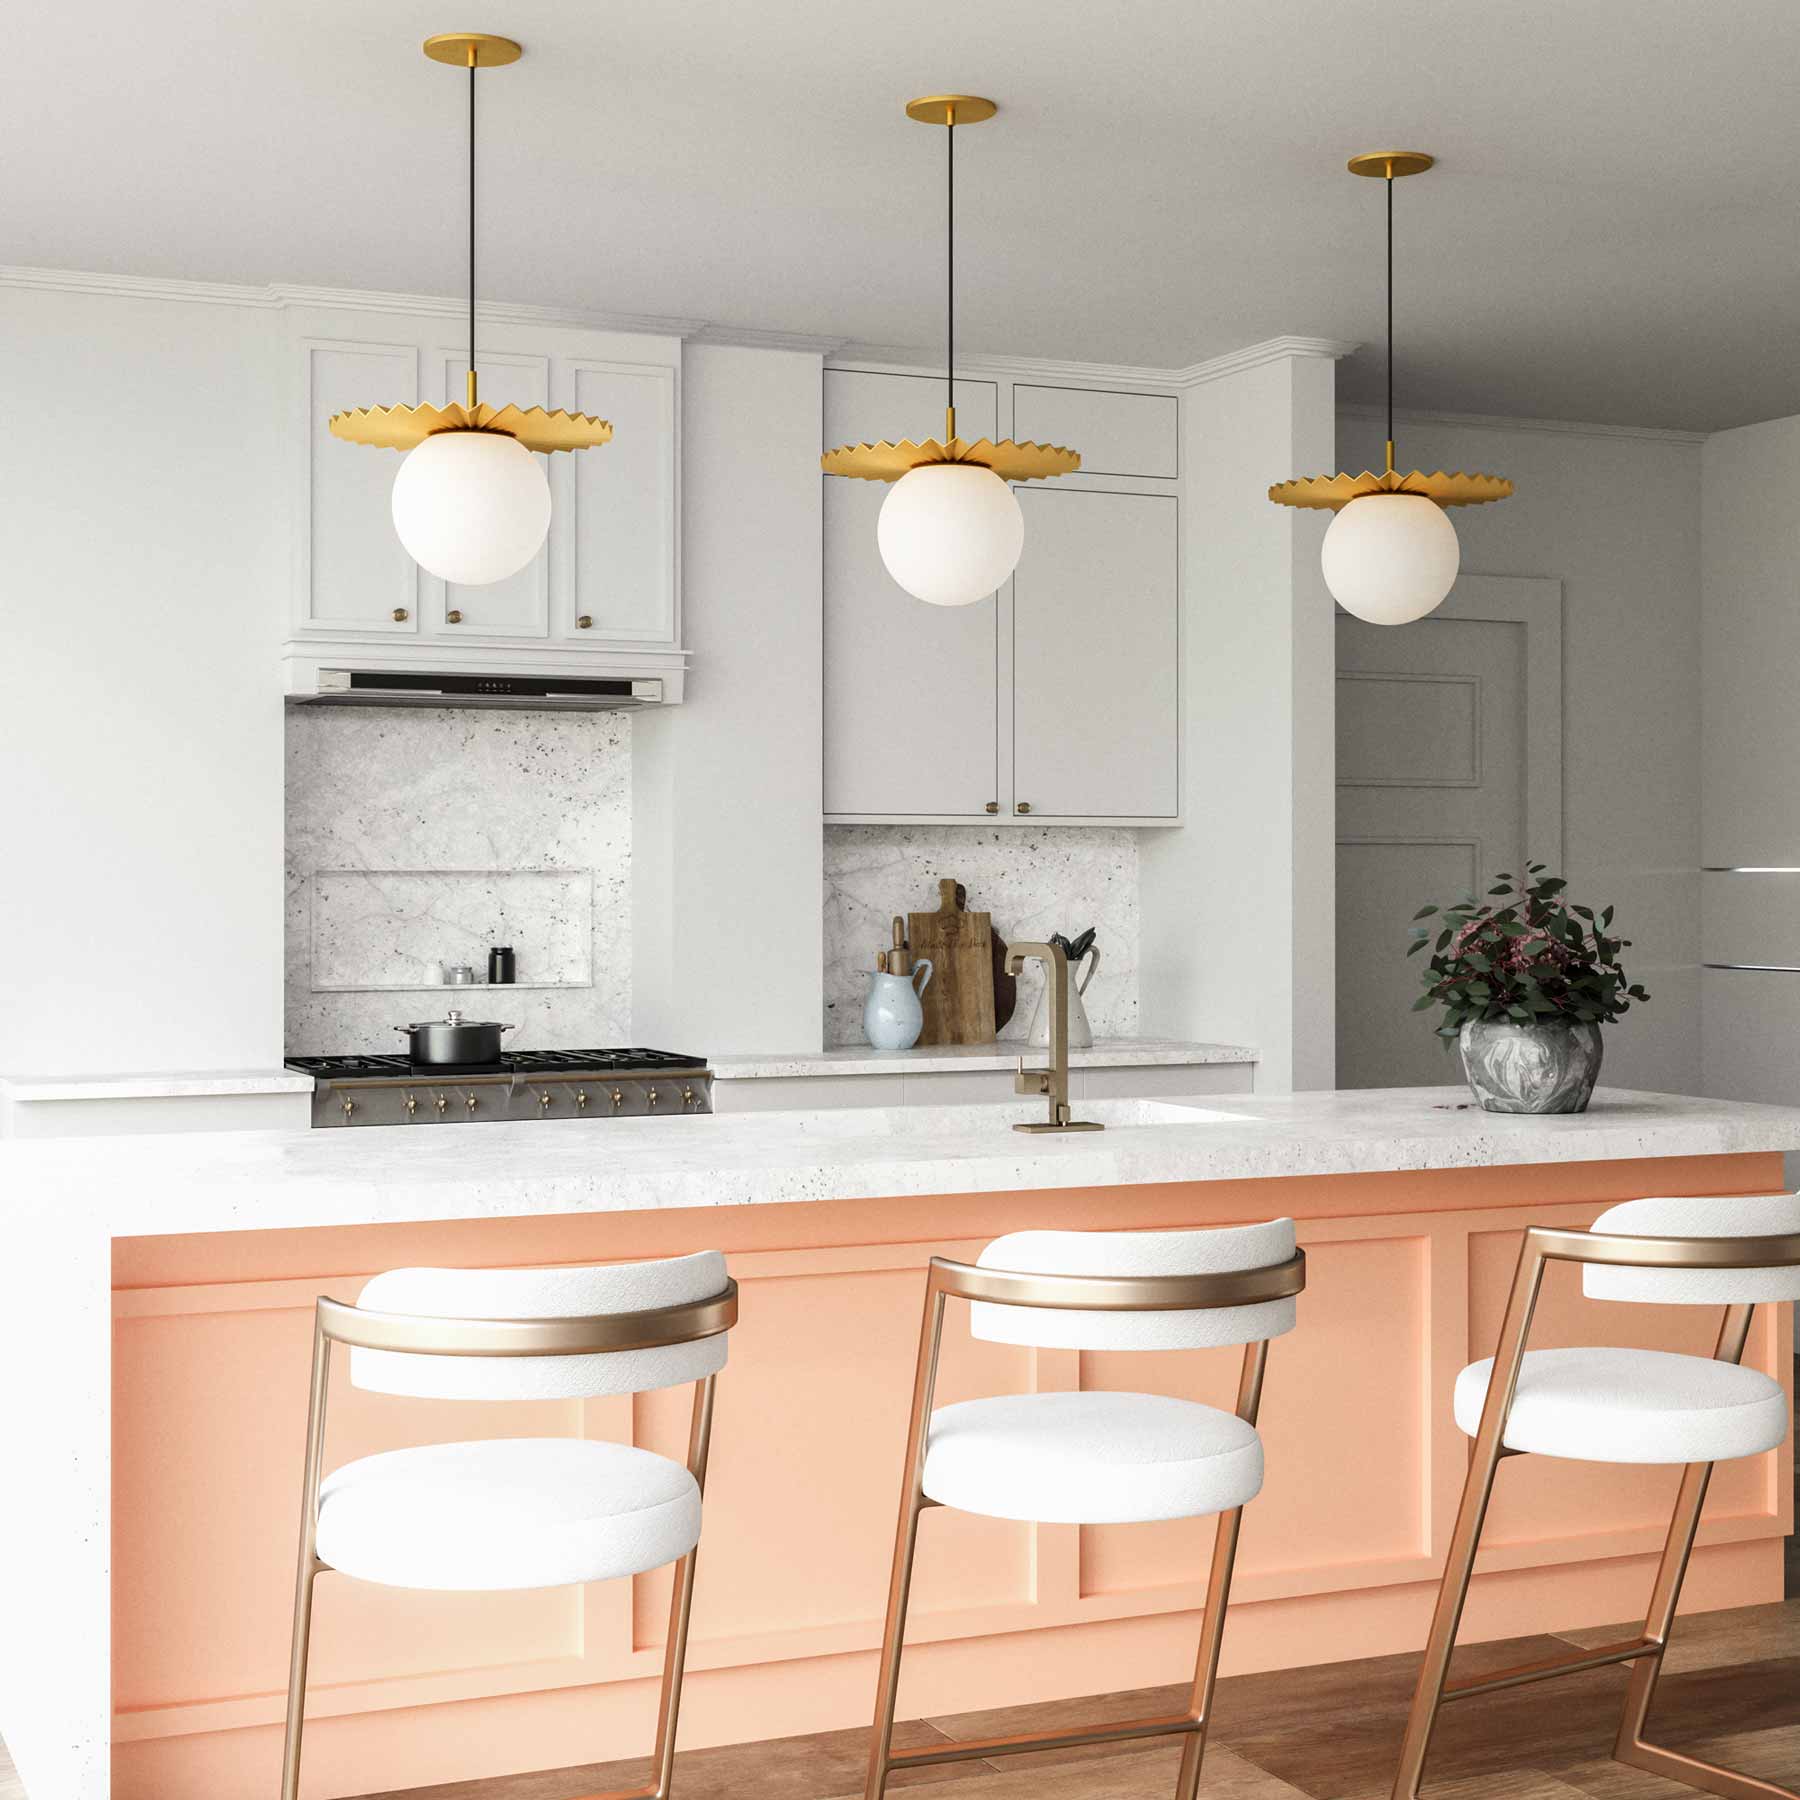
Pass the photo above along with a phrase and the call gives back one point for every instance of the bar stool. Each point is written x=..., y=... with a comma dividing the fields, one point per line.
x=516, y=1512
x=1094, y=1458
x=1624, y=1406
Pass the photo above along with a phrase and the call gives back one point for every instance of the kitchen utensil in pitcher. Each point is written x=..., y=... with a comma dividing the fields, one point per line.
x=1081, y=1033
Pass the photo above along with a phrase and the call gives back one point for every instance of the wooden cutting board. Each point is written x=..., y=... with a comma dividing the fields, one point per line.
x=959, y=1002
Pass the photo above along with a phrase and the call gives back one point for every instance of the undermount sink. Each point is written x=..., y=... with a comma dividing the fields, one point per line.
x=990, y=1119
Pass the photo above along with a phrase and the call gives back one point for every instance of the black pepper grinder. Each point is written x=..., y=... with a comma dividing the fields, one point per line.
x=500, y=966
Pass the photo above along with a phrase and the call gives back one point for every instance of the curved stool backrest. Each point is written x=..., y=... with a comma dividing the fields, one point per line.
x=1197, y=1325
x=1708, y=1216
x=686, y=1345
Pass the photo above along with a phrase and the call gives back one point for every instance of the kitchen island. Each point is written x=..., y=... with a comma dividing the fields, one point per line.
x=156, y=1338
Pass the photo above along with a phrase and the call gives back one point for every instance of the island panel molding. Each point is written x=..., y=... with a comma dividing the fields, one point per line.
x=1406, y=1270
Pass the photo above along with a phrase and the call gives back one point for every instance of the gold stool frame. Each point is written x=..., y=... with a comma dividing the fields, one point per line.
x=1543, y=1246
x=647, y=1329
x=1087, y=1293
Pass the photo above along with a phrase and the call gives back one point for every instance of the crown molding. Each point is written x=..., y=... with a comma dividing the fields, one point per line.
x=278, y=296
x=746, y=337
x=930, y=360
x=1253, y=356
x=1655, y=434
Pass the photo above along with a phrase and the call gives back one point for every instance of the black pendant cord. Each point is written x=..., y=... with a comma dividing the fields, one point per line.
x=950, y=278
x=472, y=225
x=1390, y=316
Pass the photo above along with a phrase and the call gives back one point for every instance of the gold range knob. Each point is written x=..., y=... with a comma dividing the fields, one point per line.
x=412, y=1105
x=469, y=1101
x=581, y=1099
x=454, y=616
x=544, y=1101
x=442, y=1103
x=618, y=1099
x=401, y=615
x=348, y=1105
x=654, y=1097
x=585, y=622
x=687, y=1098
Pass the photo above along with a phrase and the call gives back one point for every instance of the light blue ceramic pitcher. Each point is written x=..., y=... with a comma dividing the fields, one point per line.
x=892, y=1016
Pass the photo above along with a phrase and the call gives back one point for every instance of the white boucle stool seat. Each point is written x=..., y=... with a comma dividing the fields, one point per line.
x=1091, y=1459
x=1631, y=1406
x=506, y=1513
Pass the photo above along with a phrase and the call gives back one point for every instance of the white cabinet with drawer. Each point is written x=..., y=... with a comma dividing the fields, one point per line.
x=604, y=588
x=1056, y=699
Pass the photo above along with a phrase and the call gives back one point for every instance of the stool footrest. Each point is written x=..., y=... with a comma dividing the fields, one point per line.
x=1567, y=1664
x=967, y=1749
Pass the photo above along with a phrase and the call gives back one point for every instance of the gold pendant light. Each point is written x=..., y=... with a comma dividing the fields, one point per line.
x=951, y=531
x=1390, y=555
x=470, y=503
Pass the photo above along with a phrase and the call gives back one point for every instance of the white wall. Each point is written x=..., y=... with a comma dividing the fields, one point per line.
x=1617, y=519
x=1237, y=904
x=729, y=787
x=141, y=606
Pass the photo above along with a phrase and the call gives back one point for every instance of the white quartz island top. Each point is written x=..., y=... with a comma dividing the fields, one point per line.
x=955, y=1059
x=234, y=1181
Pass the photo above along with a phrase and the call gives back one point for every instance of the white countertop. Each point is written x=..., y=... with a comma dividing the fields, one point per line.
x=951, y=1059
x=232, y=1181
x=24, y=1088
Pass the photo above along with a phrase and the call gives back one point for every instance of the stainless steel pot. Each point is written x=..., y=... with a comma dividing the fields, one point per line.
x=453, y=1040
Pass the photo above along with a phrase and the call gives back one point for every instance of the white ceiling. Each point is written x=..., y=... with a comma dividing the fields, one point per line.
x=1611, y=234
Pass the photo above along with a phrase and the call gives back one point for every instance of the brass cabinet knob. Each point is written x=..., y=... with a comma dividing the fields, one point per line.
x=401, y=615
x=454, y=616
x=586, y=622
x=992, y=806
x=1024, y=806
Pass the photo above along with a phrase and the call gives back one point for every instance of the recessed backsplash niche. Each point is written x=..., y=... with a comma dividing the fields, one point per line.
x=419, y=837
x=1034, y=880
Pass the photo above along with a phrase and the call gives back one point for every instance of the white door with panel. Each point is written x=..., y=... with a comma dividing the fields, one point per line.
x=1449, y=768
x=911, y=690
x=1095, y=640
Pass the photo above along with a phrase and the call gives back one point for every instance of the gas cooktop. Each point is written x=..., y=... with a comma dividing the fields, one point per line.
x=523, y=1084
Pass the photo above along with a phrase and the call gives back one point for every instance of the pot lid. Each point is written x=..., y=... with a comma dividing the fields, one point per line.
x=456, y=1022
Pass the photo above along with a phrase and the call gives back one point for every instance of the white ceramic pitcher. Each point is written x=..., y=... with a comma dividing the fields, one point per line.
x=892, y=1016
x=1081, y=1033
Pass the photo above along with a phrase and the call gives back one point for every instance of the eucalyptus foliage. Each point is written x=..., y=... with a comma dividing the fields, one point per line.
x=1524, y=954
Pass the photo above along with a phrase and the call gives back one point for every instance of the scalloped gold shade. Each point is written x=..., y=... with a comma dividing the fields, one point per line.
x=405, y=427
x=1009, y=460
x=1332, y=493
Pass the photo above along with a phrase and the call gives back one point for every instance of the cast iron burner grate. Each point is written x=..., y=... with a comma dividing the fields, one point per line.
x=516, y=1062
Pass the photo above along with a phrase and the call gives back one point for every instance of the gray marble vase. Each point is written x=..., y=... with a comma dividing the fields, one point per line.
x=1547, y=1068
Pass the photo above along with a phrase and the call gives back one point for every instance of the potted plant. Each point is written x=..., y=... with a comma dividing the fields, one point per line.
x=1526, y=980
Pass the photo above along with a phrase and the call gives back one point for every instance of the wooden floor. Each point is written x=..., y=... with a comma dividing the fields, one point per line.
x=1730, y=1692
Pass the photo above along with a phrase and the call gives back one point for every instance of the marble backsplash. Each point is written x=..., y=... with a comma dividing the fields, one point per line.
x=1033, y=880
x=420, y=837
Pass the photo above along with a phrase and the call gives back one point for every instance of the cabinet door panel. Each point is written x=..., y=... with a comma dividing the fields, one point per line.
x=1117, y=434
x=355, y=573
x=1096, y=602
x=519, y=606
x=623, y=578
x=911, y=691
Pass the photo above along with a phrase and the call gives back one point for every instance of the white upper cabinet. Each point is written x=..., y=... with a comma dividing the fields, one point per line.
x=352, y=574
x=911, y=691
x=1055, y=700
x=606, y=583
x=1095, y=638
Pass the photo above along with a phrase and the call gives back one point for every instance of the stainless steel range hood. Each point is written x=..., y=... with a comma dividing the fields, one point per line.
x=436, y=687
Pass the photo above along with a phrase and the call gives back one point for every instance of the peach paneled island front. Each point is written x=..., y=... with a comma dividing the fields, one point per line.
x=154, y=1503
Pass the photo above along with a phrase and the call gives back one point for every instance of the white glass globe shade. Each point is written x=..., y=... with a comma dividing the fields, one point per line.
x=471, y=506
x=950, y=533
x=1390, y=558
